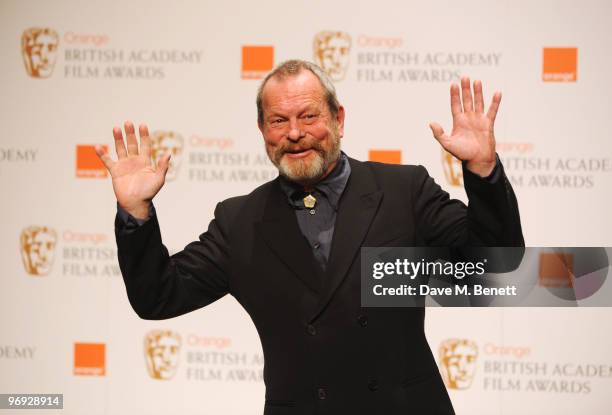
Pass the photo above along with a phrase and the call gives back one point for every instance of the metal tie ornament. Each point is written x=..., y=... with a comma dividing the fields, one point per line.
x=310, y=201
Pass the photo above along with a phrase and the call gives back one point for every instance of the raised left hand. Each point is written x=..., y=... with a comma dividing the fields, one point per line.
x=472, y=139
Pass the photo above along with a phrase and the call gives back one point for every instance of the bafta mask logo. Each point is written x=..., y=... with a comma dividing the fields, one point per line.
x=162, y=348
x=37, y=245
x=168, y=142
x=452, y=169
x=458, y=361
x=39, y=50
x=332, y=53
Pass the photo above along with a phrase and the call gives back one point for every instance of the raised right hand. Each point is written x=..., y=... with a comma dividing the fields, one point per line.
x=136, y=180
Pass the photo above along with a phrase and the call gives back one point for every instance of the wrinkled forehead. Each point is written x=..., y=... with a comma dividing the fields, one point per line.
x=299, y=87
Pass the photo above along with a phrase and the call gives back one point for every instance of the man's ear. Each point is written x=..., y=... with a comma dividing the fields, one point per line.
x=340, y=120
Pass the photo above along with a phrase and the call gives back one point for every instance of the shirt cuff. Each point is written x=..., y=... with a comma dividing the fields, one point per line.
x=129, y=221
x=494, y=176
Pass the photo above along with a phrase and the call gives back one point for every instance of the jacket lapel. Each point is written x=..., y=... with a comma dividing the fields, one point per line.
x=356, y=210
x=281, y=232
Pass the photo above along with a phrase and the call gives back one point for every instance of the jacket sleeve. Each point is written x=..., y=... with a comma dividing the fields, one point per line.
x=160, y=286
x=490, y=219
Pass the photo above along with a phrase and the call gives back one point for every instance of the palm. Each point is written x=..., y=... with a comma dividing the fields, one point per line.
x=135, y=177
x=472, y=138
x=136, y=180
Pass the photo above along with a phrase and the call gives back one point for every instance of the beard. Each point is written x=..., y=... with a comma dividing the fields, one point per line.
x=310, y=169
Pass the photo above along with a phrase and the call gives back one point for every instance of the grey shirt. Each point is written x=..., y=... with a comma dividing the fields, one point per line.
x=317, y=224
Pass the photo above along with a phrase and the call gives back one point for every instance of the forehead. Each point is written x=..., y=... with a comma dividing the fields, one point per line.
x=297, y=89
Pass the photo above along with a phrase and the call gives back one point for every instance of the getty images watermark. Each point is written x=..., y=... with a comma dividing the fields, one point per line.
x=485, y=277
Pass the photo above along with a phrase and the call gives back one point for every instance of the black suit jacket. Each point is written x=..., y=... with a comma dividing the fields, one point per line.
x=324, y=353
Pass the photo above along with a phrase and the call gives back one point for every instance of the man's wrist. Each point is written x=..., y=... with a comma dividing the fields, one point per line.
x=482, y=169
x=492, y=178
x=139, y=212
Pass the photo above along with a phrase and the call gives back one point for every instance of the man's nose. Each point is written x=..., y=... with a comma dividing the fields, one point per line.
x=295, y=131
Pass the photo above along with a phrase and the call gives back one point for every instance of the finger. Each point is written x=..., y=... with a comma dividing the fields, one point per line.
x=455, y=100
x=163, y=164
x=145, y=142
x=495, y=101
x=438, y=133
x=119, y=144
x=466, y=93
x=132, y=143
x=478, y=98
x=103, y=155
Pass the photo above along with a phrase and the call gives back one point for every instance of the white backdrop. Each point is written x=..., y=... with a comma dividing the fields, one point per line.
x=183, y=68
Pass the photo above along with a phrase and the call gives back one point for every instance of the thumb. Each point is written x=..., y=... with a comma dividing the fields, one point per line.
x=163, y=164
x=438, y=132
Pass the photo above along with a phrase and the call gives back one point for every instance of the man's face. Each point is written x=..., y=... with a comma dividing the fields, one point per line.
x=41, y=51
x=302, y=138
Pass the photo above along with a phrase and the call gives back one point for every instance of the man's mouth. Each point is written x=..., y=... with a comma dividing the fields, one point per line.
x=298, y=153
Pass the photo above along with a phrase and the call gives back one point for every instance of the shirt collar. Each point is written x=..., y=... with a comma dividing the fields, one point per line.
x=331, y=187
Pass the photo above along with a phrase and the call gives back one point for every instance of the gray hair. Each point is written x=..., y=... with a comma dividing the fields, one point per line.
x=294, y=67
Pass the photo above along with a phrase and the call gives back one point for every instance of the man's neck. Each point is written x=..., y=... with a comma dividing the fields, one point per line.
x=310, y=187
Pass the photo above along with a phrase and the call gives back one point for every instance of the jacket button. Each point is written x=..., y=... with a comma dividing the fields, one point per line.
x=373, y=385
x=322, y=393
x=362, y=320
x=311, y=330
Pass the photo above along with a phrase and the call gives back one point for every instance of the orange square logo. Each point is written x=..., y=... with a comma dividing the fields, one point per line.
x=90, y=359
x=556, y=270
x=560, y=64
x=257, y=61
x=88, y=165
x=386, y=156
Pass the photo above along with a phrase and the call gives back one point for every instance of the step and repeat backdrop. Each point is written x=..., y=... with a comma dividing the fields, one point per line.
x=72, y=70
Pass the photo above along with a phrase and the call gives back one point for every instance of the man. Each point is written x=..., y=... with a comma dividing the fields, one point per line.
x=289, y=251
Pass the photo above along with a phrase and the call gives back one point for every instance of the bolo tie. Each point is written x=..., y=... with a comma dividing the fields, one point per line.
x=309, y=203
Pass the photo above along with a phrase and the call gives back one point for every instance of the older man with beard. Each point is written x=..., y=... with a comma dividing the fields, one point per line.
x=289, y=251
